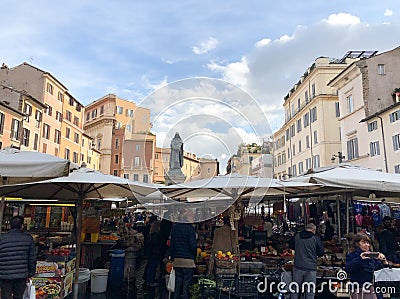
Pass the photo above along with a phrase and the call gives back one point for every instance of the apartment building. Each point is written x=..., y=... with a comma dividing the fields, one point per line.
x=20, y=119
x=53, y=117
x=311, y=132
x=121, y=133
x=262, y=166
x=242, y=161
x=369, y=91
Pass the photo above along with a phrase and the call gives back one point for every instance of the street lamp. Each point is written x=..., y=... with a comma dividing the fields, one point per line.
x=339, y=155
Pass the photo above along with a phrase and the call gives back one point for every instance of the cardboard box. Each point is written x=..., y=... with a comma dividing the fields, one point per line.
x=54, y=269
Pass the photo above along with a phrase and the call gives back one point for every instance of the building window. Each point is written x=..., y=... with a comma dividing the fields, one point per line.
x=137, y=161
x=289, y=171
x=352, y=148
x=75, y=158
x=116, y=159
x=25, y=137
x=135, y=177
x=156, y=156
x=292, y=110
x=89, y=160
x=374, y=148
x=76, y=138
x=279, y=160
x=126, y=176
x=287, y=135
x=372, y=126
x=68, y=133
x=337, y=109
x=83, y=142
x=308, y=163
x=68, y=115
x=288, y=153
x=38, y=118
x=120, y=110
x=2, y=118
x=301, y=167
x=76, y=121
x=27, y=111
x=49, y=110
x=36, y=142
x=57, y=136
x=306, y=96
x=49, y=88
x=316, y=161
x=283, y=157
x=397, y=168
x=294, y=150
x=145, y=178
x=294, y=170
x=292, y=130
x=299, y=146
x=349, y=100
x=101, y=110
x=60, y=96
x=298, y=104
x=87, y=116
x=78, y=107
x=306, y=119
x=394, y=116
x=129, y=128
x=129, y=112
x=82, y=157
x=94, y=113
x=313, y=114
x=381, y=69
x=396, y=142
x=307, y=141
x=116, y=172
x=46, y=131
x=66, y=154
x=298, y=125
x=313, y=91
x=44, y=148
x=117, y=143
x=98, y=144
x=118, y=125
x=315, y=137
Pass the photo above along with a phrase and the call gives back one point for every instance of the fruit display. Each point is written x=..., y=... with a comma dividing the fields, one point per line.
x=202, y=256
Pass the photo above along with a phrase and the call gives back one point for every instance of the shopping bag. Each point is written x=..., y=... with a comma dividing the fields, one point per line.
x=387, y=274
x=171, y=281
x=30, y=292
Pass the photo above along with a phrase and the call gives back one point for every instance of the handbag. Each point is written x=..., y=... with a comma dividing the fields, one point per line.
x=171, y=281
x=30, y=292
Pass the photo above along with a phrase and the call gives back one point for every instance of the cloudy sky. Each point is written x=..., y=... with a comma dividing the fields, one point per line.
x=134, y=48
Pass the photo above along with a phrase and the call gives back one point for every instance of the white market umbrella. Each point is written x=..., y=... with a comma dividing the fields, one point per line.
x=355, y=179
x=236, y=186
x=81, y=184
x=18, y=166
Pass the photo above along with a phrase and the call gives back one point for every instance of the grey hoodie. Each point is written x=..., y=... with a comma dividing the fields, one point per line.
x=307, y=248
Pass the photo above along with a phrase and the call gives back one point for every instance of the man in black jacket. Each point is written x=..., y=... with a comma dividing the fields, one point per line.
x=183, y=254
x=17, y=260
x=307, y=248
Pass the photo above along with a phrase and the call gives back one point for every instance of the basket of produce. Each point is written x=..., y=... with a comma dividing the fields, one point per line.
x=201, y=269
x=225, y=264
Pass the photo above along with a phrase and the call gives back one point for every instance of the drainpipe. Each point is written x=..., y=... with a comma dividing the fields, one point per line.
x=384, y=144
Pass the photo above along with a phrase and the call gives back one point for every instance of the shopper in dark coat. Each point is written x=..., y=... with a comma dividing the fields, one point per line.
x=17, y=260
x=183, y=254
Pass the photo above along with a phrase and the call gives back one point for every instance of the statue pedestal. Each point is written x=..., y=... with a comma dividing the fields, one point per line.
x=174, y=176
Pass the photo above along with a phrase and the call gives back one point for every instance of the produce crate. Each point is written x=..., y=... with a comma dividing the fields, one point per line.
x=226, y=283
x=246, y=286
x=208, y=289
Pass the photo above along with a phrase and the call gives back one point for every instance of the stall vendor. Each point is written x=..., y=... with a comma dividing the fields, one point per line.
x=225, y=238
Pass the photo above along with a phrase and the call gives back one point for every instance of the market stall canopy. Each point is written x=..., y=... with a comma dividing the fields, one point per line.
x=352, y=178
x=236, y=186
x=83, y=183
x=18, y=166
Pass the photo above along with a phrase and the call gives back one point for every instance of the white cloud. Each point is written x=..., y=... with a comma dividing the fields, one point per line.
x=342, y=19
x=263, y=42
x=152, y=86
x=285, y=38
x=235, y=73
x=205, y=46
x=388, y=12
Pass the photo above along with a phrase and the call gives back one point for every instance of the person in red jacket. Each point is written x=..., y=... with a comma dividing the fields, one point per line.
x=17, y=260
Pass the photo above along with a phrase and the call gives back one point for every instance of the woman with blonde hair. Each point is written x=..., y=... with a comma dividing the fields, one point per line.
x=361, y=264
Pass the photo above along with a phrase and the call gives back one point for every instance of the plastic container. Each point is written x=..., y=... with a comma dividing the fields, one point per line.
x=98, y=282
x=116, y=276
x=94, y=237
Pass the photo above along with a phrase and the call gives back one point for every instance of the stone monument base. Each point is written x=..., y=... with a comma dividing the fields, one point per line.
x=174, y=176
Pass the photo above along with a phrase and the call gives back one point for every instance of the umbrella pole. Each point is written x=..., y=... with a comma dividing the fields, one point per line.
x=338, y=219
x=2, y=207
x=347, y=214
x=78, y=247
